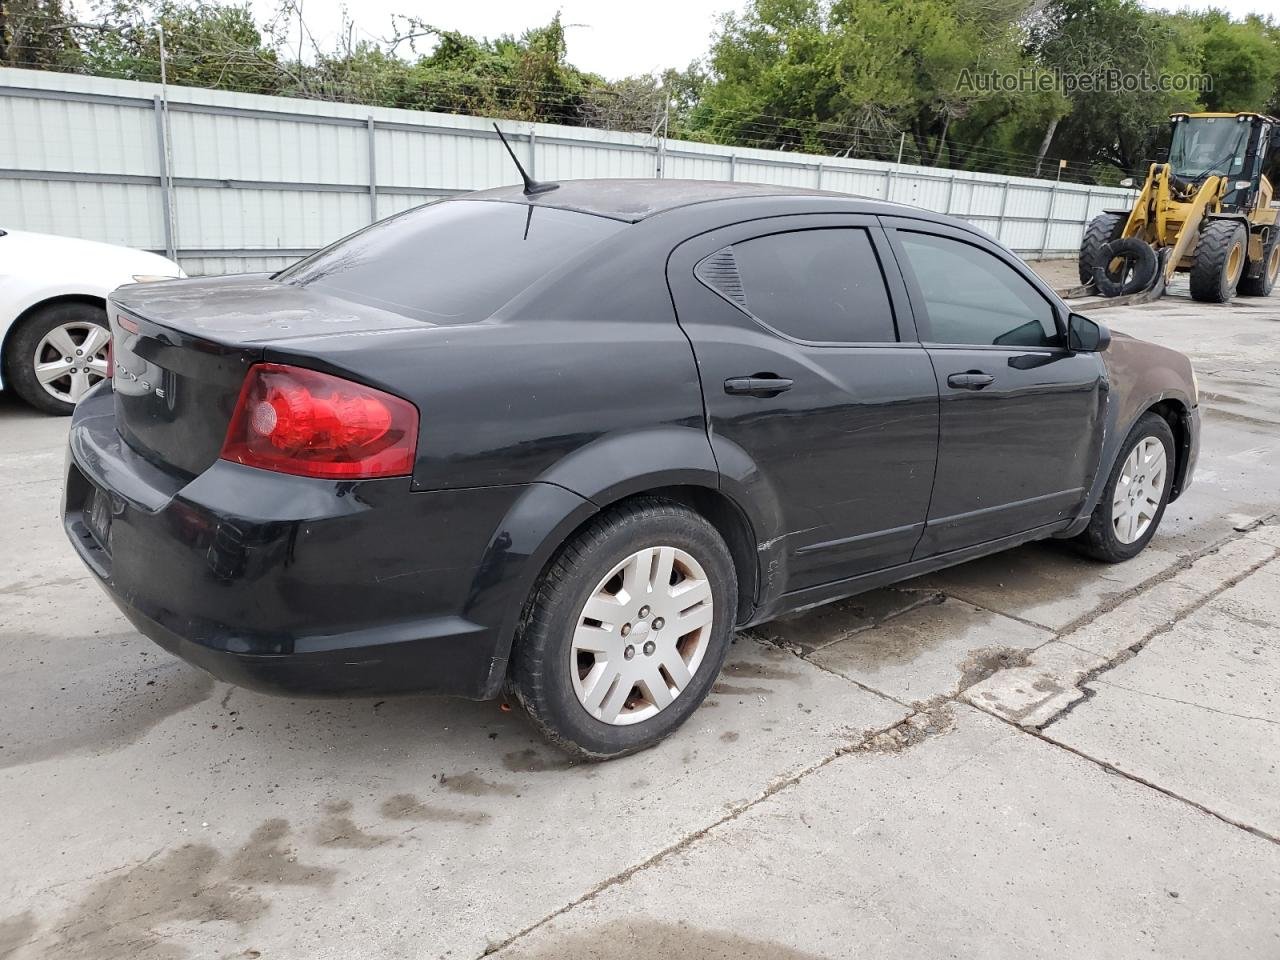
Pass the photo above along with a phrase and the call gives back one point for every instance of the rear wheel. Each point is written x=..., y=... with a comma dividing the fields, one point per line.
x=1136, y=494
x=1103, y=228
x=57, y=354
x=626, y=631
x=1219, y=261
x=1264, y=283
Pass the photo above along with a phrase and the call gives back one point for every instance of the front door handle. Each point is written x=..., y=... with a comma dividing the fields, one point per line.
x=973, y=380
x=760, y=385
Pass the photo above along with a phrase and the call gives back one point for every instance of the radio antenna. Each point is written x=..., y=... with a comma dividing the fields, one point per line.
x=531, y=186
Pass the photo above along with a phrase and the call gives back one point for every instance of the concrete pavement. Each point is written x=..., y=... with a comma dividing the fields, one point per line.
x=1029, y=755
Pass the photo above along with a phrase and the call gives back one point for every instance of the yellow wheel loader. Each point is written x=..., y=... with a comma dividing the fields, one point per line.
x=1206, y=209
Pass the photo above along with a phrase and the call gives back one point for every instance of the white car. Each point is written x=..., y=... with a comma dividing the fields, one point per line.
x=53, y=320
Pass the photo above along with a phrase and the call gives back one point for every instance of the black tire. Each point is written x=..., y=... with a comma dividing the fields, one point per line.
x=1219, y=261
x=1137, y=273
x=541, y=664
x=1099, y=540
x=1264, y=283
x=20, y=350
x=1103, y=228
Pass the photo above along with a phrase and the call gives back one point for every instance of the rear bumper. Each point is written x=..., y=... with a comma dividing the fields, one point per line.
x=450, y=662
x=295, y=585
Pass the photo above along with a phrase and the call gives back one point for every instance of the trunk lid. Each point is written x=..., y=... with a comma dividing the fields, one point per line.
x=182, y=348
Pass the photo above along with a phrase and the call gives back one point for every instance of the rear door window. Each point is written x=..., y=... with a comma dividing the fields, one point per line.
x=452, y=261
x=816, y=286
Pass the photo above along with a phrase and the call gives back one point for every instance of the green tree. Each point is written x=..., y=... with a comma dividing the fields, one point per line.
x=855, y=75
x=774, y=75
x=1111, y=125
x=632, y=103
x=206, y=45
x=1242, y=59
x=38, y=35
x=525, y=78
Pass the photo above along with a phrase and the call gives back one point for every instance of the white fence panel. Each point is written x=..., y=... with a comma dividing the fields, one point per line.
x=253, y=182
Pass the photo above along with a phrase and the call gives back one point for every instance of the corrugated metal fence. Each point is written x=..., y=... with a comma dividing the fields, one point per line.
x=251, y=182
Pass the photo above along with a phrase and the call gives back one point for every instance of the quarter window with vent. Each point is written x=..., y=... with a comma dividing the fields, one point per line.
x=820, y=286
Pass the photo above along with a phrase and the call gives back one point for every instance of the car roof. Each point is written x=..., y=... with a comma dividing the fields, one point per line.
x=633, y=200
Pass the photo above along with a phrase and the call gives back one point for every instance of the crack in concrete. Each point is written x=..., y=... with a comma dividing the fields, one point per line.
x=1131, y=651
x=1168, y=573
x=1135, y=778
x=1187, y=703
x=925, y=721
x=929, y=720
x=1124, y=656
x=1001, y=613
x=920, y=724
x=857, y=683
x=930, y=598
x=986, y=662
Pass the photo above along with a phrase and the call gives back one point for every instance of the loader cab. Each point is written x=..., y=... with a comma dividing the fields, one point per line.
x=1237, y=146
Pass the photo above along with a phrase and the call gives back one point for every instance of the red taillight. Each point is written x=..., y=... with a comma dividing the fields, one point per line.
x=312, y=424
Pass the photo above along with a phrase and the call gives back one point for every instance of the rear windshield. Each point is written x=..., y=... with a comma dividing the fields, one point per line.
x=450, y=261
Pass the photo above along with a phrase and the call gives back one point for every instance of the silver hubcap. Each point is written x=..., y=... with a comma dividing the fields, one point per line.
x=1139, y=490
x=71, y=358
x=641, y=636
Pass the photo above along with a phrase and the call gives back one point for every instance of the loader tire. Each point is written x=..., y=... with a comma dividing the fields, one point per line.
x=1262, y=284
x=1103, y=228
x=1219, y=261
x=1140, y=264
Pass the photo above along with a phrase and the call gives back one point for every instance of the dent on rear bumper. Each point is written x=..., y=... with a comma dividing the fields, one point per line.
x=291, y=584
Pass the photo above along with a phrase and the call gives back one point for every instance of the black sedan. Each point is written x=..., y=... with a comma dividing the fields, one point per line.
x=566, y=441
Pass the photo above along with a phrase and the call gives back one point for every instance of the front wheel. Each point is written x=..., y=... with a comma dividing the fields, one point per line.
x=1219, y=261
x=626, y=632
x=1136, y=494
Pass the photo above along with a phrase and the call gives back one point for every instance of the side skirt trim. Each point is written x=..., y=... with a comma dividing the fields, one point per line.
x=799, y=600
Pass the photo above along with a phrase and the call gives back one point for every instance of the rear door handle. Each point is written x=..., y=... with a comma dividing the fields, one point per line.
x=762, y=385
x=973, y=380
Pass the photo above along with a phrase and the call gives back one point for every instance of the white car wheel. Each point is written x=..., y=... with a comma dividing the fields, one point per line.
x=71, y=358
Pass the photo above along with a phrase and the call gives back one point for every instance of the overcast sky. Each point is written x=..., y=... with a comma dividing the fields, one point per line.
x=615, y=38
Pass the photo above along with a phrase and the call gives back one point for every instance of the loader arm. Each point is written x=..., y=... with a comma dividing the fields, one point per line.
x=1168, y=223
x=1182, y=243
x=1147, y=203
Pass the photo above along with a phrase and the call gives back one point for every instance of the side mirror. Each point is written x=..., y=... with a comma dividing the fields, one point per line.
x=1085, y=335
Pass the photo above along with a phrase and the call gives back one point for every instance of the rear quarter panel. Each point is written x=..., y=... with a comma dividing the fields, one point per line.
x=581, y=391
x=584, y=380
